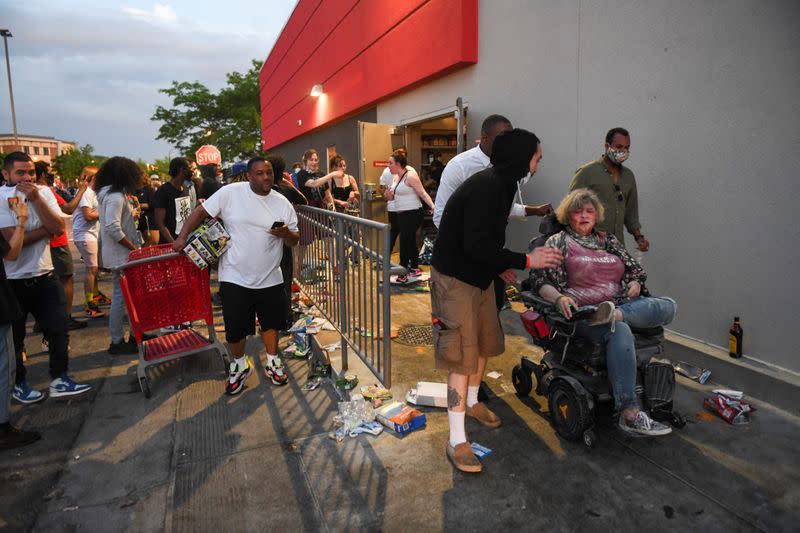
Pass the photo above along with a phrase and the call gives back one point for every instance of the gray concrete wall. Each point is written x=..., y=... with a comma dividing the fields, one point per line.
x=709, y=91
x=343, y=134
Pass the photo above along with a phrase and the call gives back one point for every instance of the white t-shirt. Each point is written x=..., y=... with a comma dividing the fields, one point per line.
x=254, y=258
x=456, y=172
x=386, y=180
x=82, y=229
x=34, y=260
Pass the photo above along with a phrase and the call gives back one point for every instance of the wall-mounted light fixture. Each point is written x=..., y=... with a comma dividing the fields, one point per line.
x=316, y=90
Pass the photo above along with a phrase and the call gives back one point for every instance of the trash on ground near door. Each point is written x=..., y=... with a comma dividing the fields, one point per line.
x=301, y=324
x=400, y=418
x=736, y=394
x=375, y=394
x=494, y=374
x=353, y=415
x=332, y=347
x=347, y=383
x=479, y=450
x=322, y=370
x=429, y=394
x=296, y=352
x=732, y=410
x=373, y=428
x=698, y=374
x=312, y=383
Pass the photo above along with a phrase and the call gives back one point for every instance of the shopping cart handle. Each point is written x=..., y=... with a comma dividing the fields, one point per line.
x=145, y=260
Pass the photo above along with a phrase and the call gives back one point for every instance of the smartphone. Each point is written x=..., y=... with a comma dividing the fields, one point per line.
x=278, y=224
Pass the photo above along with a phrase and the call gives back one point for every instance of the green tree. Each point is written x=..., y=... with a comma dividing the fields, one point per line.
x=70, y=163
x=229, y=119
x=161, y=167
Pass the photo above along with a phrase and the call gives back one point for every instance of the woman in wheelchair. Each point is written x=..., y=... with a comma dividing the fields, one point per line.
x=598, y=270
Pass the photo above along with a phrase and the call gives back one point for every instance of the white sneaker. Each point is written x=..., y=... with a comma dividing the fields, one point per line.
x=275, y=372
x=65, y=386
x=237, y=376
x=643, y=425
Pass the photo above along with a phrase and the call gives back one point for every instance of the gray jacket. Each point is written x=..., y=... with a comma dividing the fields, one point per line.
x=116, y=222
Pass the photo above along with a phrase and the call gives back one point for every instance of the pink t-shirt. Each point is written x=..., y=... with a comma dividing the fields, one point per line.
x=593, y=276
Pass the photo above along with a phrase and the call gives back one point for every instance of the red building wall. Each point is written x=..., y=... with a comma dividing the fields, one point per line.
x=361, y=51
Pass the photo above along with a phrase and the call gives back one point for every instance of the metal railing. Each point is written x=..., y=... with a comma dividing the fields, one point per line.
x=343, y=265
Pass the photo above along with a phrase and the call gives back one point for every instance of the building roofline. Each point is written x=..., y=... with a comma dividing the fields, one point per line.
x=40, y=137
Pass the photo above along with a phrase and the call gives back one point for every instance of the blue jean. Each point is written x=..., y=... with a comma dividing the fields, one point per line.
x=640, y=312
x=117, y=313
x=8, y=366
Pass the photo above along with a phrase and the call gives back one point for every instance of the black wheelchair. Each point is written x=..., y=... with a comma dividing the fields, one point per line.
x=572, y=373
x=573, y=376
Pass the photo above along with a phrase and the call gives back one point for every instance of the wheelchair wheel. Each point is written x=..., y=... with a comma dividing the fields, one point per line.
x=569, y=411
x=521, y=380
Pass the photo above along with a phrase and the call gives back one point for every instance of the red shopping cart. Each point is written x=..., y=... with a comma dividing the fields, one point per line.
x=163, y=288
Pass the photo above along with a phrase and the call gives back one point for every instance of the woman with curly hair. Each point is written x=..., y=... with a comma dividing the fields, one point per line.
x=117, y=177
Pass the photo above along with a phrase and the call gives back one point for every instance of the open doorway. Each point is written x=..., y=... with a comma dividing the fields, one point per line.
x=431, y=140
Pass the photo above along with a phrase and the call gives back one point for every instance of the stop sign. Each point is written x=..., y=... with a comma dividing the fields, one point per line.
x=207, y=155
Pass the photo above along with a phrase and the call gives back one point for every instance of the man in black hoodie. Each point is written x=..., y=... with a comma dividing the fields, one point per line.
x=469, y=254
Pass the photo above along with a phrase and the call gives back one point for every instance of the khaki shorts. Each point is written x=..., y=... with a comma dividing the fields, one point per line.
x=88, y=251
x=473, y=324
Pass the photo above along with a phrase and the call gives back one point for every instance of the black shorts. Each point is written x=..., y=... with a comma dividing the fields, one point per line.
x=241, y=306
x=62, y=261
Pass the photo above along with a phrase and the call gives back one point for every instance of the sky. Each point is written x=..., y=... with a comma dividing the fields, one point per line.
x=90, y=72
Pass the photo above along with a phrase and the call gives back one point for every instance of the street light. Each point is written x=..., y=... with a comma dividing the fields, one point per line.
x=6, y=34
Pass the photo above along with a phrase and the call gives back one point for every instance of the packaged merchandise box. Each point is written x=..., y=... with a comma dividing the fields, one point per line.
x=207, y=243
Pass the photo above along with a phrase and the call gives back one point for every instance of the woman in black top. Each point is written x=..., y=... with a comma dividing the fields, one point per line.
x=345, y=189
x=313, y=184
x=147, y=226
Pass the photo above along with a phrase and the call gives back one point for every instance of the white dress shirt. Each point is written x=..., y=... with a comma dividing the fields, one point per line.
x=456, y=172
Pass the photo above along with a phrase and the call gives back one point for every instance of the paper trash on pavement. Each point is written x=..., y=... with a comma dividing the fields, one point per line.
x=480, y=451
x=400, y=418
x=428, y=393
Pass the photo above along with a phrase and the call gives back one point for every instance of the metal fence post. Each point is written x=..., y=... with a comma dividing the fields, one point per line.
x=343, y=303
x=386, y=252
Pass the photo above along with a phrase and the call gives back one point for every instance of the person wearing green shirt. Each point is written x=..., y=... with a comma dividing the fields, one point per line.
x=615, y=185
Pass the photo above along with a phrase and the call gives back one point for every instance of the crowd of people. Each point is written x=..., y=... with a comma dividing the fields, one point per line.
x=116, y=208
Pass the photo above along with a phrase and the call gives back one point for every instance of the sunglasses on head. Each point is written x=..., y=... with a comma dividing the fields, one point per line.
x=619, y=193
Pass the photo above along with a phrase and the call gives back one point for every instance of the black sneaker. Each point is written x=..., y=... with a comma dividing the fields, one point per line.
x=122, y=347
x=76, y=324
x=11, y=437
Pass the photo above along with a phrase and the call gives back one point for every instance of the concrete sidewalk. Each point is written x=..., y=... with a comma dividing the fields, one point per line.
x=192, y=459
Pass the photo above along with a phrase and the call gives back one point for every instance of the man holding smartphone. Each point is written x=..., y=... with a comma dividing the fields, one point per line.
x=260, y=221
x=31, y=275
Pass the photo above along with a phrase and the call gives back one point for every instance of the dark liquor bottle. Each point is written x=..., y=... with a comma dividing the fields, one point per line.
x=735, y=335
